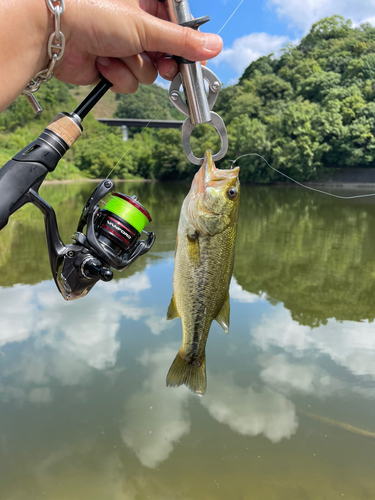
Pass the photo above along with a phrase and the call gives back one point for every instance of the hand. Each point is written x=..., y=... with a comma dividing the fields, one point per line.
x=127, y=41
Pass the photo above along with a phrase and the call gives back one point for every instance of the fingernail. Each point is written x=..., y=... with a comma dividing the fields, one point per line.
x=104, y=61
x=145, y=57
x=171, y=73
x=212, y=42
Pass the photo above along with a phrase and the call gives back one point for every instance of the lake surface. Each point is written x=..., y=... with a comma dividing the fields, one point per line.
x=289, y=412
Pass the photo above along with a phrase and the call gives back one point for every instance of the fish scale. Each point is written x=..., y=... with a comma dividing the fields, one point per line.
x=204, y=261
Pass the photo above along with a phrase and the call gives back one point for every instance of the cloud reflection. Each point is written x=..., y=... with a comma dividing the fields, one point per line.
x=66, y=341
x=248, y=412
x=348, y=344
x=157, y=417
x=289, y=377
x=239, y=294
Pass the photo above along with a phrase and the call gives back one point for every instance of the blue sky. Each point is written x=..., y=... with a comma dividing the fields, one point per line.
x=264, y=26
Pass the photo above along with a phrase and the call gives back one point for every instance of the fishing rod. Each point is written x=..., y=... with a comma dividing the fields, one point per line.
x=106, y=238
x=112, y=236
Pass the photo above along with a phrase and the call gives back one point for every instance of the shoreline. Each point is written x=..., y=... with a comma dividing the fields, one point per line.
x=77, y=181
x=326, y=184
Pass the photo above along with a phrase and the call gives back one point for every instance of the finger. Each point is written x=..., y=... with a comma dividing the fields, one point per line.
x=162, y=36
x=167, y=67
x=155, y=8
x=142, y=68
x=116, y=72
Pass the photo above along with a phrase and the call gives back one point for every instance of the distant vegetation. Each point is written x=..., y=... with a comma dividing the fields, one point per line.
x=306, y=111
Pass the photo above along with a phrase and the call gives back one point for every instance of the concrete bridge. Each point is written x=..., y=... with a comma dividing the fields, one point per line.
x=124, y=123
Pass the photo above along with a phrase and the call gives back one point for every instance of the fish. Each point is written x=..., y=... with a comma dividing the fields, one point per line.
x=204, y=260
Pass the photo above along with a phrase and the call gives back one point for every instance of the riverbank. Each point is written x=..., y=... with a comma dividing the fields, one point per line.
x=343, y=180
x=80, y=181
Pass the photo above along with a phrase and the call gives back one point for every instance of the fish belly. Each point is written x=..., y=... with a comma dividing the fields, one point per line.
x=203, y=270
x=201, y=287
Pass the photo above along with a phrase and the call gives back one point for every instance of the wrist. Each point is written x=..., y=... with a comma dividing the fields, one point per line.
x=24, y=31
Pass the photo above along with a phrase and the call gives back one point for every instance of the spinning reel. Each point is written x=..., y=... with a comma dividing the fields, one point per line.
x=106, y=238
x=110, y=241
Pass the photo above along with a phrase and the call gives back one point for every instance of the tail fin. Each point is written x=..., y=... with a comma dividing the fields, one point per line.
x=191, y=374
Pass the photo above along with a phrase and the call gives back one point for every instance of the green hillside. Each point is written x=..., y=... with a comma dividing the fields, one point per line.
x=307, y=111
x=310, y=109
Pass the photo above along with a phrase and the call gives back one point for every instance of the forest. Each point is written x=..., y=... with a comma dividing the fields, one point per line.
x=308, y=110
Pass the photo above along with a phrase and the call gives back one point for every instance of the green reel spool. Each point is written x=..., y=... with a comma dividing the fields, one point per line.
x=129, y=210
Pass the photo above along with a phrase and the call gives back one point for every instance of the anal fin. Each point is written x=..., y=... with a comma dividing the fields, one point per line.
x=172, y=310
x=223, y=317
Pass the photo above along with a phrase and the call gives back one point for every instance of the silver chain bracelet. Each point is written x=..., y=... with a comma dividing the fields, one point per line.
x=55, y=49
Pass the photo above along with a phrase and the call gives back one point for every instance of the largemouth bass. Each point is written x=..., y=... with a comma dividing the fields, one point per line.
x=204, y=261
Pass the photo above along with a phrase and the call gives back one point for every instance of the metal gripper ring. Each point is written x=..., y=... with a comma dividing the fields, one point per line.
x=187, y=130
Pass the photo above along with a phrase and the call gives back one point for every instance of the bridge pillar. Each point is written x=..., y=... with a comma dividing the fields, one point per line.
x=125, y=133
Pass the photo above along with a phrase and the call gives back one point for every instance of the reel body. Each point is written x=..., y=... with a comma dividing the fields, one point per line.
x=78, y=267
x=110, y=242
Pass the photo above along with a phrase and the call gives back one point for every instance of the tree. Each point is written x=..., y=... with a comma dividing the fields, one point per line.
x=150, y=102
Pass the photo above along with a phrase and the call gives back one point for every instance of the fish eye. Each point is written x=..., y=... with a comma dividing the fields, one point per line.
x=232, y=193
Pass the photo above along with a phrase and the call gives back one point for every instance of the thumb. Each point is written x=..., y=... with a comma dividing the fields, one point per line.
x=157, y=35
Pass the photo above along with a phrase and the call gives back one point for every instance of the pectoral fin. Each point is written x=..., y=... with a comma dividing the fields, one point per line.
x=223, y=317
x=172, y=310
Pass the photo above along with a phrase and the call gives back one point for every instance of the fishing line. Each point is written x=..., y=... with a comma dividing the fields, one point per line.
x=303, y=185
x=132, y=144
x=230, y=17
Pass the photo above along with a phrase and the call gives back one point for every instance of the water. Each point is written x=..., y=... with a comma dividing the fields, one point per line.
x=289, y=411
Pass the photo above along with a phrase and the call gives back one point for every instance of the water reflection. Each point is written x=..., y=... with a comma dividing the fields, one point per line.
x=350, y=344
x=156, y=418
x=84, y=409
x=312, y=253
x=66, y=340
x=249, y=412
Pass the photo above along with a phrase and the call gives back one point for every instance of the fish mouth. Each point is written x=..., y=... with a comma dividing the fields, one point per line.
x=208, y=175
x=212, y=173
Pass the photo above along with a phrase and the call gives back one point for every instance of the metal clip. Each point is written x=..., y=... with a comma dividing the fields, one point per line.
x=197, y=105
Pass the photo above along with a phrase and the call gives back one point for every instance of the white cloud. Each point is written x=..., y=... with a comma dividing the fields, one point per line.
x=16, y=327
x=249, y=48
x=165, y=84
x=349, y=344
x=303, y=14
x=290, y=377
x=157, y=324
x=238, y=294
x=67, y=340
x=156, y=417
x=248, y=412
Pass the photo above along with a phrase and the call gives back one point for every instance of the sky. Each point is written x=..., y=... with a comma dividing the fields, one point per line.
x=260, y=27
